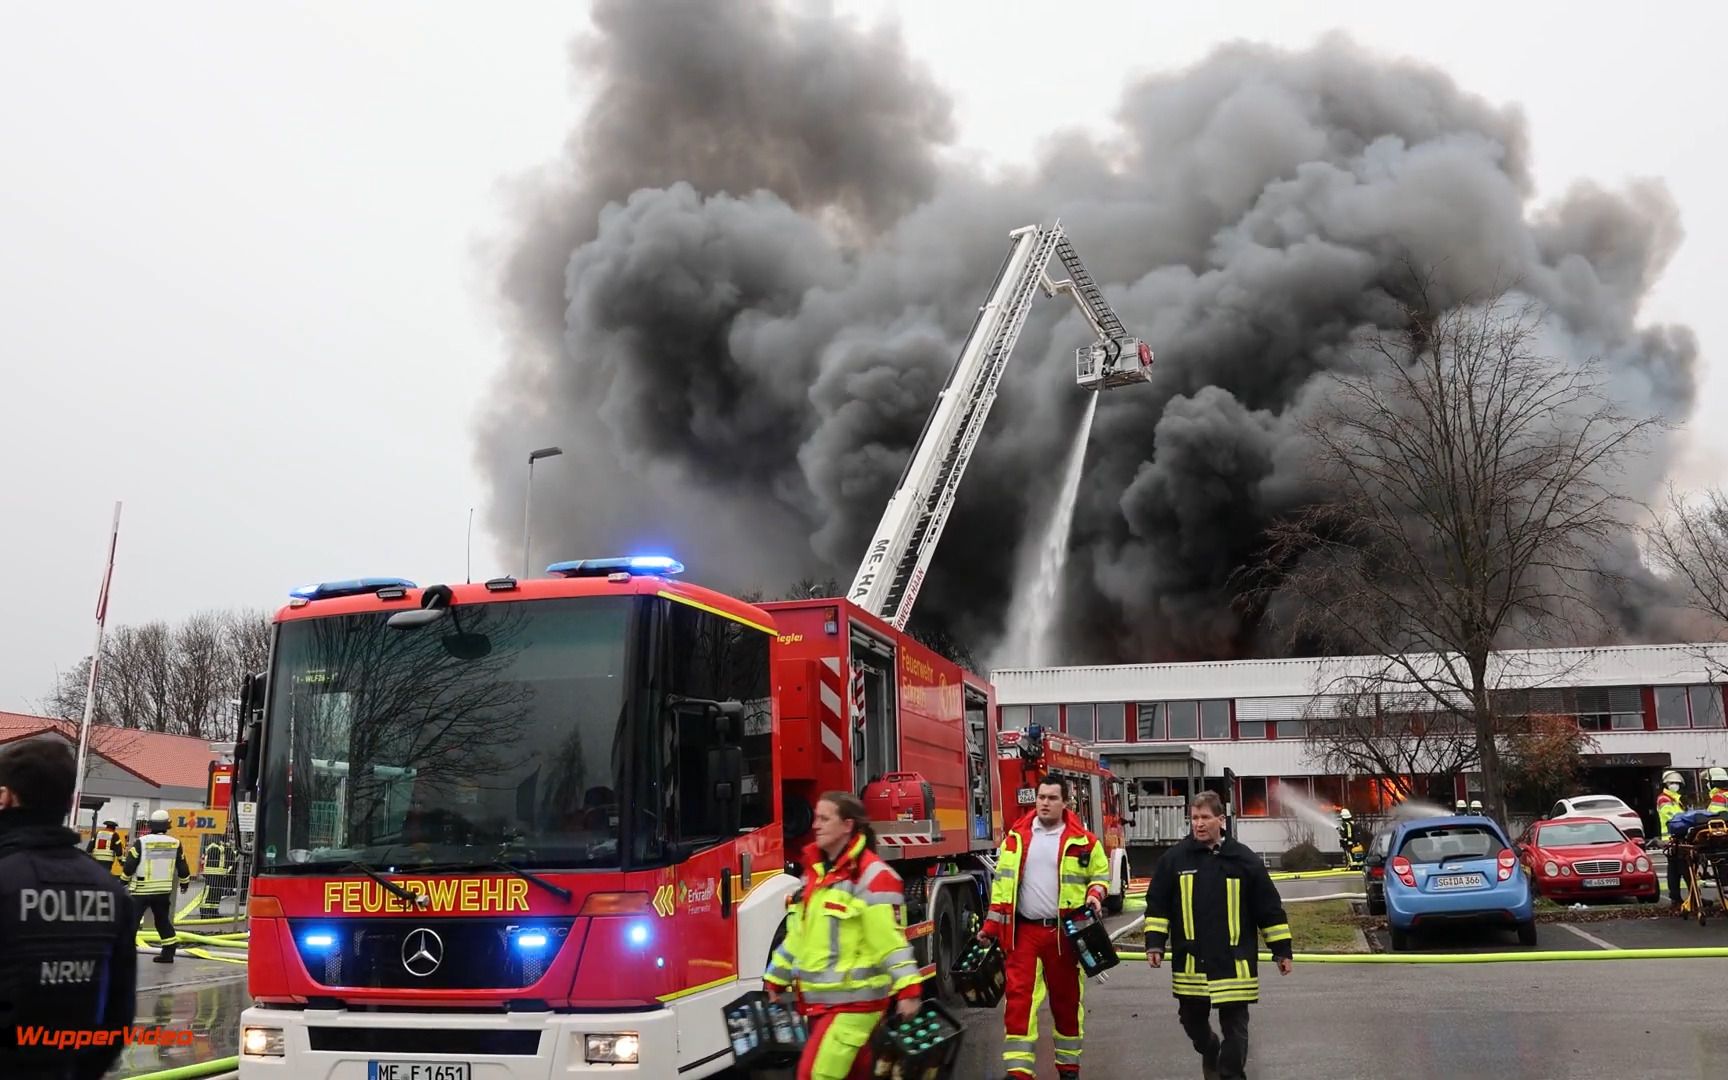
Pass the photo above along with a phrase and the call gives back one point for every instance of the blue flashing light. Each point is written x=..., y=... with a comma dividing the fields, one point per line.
x=318, y=940
x=638, y=933
x=329, y=590
x=533, y=939
x=655, y=565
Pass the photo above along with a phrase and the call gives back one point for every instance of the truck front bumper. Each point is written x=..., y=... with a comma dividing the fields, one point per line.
x=338, y=1044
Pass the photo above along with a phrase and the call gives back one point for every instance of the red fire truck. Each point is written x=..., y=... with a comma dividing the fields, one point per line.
x=533, y=828
x=542, y=827
x=1100, y=796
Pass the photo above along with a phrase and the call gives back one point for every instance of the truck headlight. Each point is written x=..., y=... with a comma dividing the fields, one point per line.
x=263, y=1042
x=617, y=1049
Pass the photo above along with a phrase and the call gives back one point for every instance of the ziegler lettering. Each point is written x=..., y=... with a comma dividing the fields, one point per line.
x=66, y=905
x=464, y=896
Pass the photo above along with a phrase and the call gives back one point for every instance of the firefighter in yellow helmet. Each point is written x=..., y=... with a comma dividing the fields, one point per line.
x=845, y=954
x=154, y=864
x=1669, y=804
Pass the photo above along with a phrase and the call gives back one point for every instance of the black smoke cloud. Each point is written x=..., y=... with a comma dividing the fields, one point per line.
x=735, y=298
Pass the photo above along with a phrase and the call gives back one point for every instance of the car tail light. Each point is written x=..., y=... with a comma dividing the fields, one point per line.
x=1401, y=867
x=1507, y=862
x=1376, y=872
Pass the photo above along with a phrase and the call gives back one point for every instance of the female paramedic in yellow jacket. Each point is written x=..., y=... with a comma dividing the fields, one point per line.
x=845, y=951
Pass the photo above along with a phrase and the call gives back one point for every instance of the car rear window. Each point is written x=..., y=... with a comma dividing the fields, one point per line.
x=1597, y=804
x=1584, y=832
x=1449, y=841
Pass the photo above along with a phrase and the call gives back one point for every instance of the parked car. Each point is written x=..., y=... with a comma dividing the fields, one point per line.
x=1601, y=806
x=1374, y=872
x=1577, y=858
x=1453, y=870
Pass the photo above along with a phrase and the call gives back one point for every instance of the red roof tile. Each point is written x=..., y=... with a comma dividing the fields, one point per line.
x=179, y=761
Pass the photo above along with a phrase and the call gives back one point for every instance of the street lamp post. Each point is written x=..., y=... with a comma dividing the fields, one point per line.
x=528, y=505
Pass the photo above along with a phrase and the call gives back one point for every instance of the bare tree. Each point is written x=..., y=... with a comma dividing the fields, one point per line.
x=174, y=679
x=1468, y=501
x=1390, y=737
x=1689, y=543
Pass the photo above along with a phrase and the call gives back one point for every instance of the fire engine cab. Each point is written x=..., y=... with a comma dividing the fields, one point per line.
x=1100, y=798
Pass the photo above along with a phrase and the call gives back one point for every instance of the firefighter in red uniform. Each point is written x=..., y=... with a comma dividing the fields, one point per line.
x=1048, y=866
x=845, y=948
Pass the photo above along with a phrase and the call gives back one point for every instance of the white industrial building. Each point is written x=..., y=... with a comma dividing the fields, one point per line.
x=1174, y=728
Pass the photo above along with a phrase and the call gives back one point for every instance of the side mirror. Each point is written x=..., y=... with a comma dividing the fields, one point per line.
x=249, y=739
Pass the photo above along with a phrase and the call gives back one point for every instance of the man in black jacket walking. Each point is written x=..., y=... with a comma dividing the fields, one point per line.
x=67, y=954
x=1207, y=896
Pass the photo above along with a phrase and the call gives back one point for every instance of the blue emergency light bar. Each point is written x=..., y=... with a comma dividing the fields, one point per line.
x=329, y=590
x=656, y=565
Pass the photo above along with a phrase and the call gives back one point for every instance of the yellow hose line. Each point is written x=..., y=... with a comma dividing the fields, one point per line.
x=1491, y=957
x=205, y=954
x=1313, y=875
x=153, y=938
x=197, y=898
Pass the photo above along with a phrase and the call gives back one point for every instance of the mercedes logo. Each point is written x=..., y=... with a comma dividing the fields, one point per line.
x=422, y=952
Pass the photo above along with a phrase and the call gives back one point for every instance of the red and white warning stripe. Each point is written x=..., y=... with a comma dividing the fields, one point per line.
x=905, y=840
x=830, y=722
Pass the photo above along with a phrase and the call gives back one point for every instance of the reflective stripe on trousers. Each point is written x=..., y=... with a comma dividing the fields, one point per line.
x=1043, y=964
x=836, y=1050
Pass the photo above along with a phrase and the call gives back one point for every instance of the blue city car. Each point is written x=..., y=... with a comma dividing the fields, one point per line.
x=1447, y=870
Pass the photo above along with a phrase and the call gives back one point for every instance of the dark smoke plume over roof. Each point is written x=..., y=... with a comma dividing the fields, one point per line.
x=733, y=300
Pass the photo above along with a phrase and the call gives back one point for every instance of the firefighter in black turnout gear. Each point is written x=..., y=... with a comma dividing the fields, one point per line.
x=1207, y=898
x=67, y=959
x=155, y=863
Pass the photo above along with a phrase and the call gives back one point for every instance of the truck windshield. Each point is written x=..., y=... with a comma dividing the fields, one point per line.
x=499, y=733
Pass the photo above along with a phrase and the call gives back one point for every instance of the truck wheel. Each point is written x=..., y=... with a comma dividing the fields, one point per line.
x=1376, y=907
x=946, y=942
x=1113, y=901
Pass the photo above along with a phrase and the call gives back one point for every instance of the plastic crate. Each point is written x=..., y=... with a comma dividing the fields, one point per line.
x=925, y=1047
x=981, y=974
x=764, y=1033
x=1091, y=941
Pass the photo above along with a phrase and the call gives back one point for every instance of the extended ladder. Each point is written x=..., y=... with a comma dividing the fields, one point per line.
x=888, y=581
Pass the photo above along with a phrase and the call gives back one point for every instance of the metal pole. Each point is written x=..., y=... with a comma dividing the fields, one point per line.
x=528, y=519
x=95, y=664
x=528, y=505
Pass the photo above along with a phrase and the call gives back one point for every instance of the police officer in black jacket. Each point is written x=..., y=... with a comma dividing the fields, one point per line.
x=68, y=962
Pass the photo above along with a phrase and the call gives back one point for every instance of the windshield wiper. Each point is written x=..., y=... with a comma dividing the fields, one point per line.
x=499, y=864
x=406, y=895
x=1444, y=859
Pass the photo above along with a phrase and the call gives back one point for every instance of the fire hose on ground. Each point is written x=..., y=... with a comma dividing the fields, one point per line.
x=189, y=1072
x=202, y=945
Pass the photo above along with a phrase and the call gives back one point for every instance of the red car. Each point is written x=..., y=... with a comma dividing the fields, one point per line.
x=1579, y=858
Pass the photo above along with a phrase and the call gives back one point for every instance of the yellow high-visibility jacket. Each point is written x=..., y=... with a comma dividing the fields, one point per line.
x=154, y=864
x=845, y=948
x=1084, y=870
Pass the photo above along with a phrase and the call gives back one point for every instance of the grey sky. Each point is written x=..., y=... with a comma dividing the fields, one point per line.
x=244, y=284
